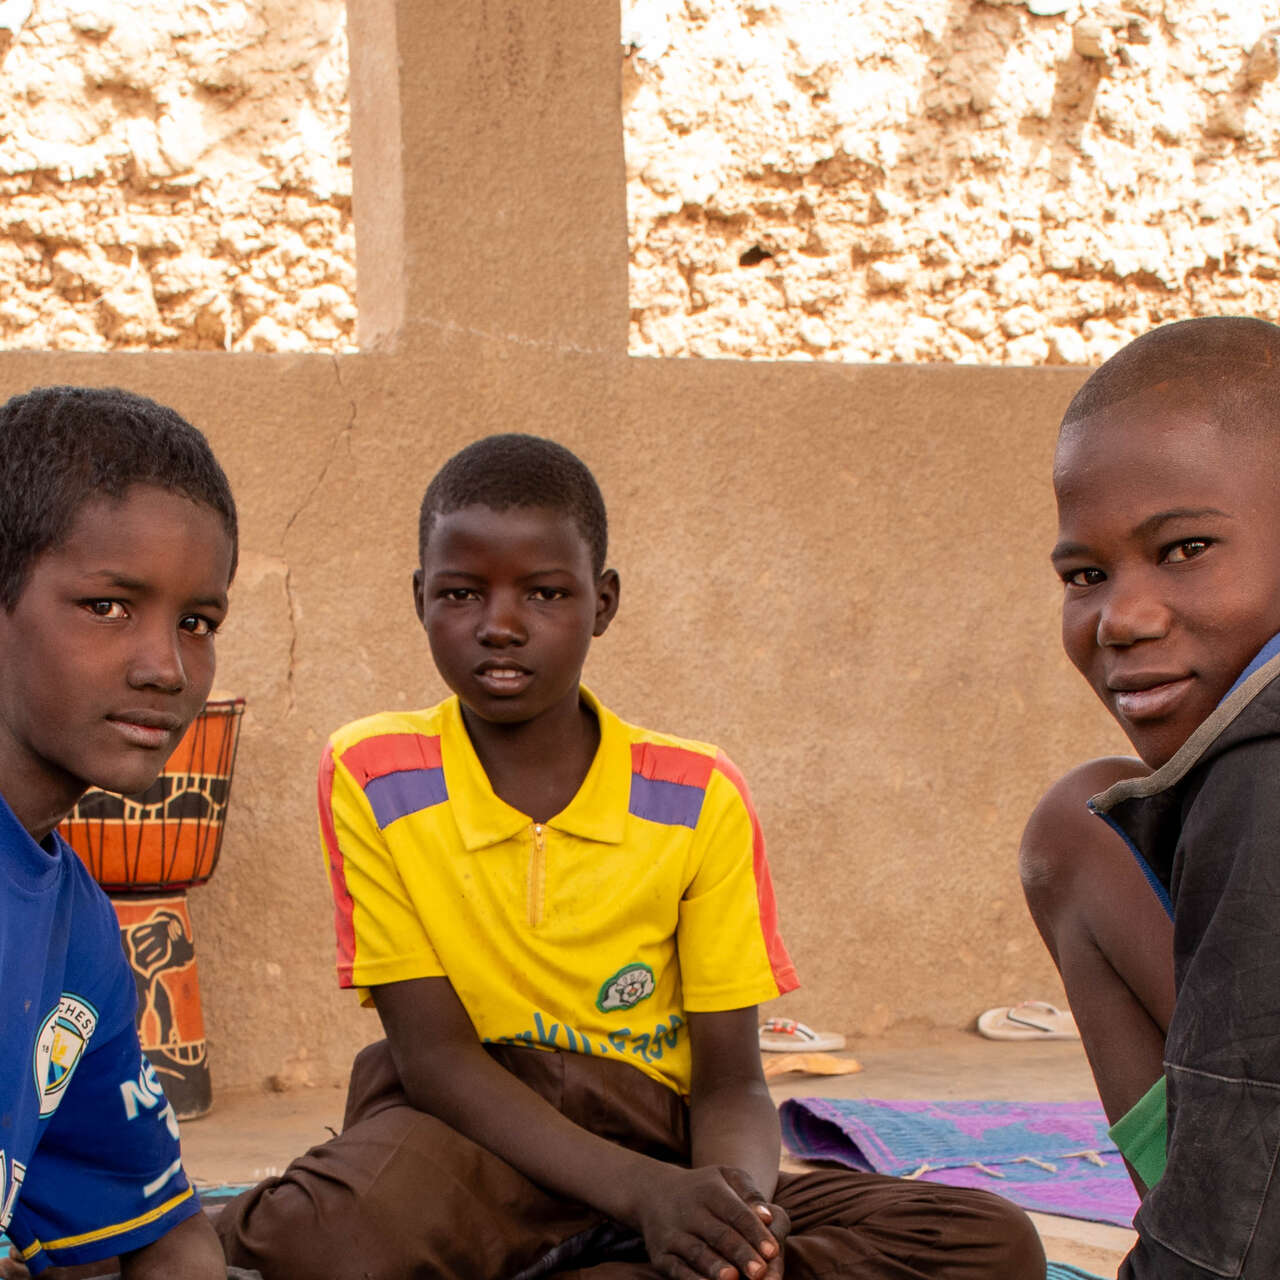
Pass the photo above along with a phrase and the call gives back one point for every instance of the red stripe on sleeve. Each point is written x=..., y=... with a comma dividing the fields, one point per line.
x=343, y=924
x=784, y=972
x=391, y=753
x=671, y=764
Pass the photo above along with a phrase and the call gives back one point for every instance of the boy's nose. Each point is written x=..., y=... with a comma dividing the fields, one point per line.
x=157, y=661
x=1130, y=614
x=501, y=626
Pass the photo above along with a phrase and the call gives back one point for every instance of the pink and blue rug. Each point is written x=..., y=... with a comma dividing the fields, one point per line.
x=1049, y=1157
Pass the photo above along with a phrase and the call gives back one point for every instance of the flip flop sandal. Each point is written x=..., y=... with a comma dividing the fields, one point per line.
x=785, y=1035
x=1031, y=1020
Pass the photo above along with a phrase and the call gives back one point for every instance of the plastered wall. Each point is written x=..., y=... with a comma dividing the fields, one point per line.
x=838, y=574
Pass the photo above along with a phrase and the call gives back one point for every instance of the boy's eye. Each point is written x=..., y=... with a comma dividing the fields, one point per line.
x=1083, y=577
x=548, y=593
x=1185, y=550
x=111, y=609
x=458, y=594
x=197, y=624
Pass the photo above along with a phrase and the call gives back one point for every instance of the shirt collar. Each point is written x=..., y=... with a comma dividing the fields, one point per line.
x=597, y=812
x=32, y=865
x=1203, y=737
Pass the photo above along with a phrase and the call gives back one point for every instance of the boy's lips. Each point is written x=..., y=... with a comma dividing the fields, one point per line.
x=1148, y=697
x=502, y=678
x=150, y=729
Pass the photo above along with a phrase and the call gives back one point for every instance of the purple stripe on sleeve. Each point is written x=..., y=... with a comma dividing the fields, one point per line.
x=675, y=804
x=396, y=795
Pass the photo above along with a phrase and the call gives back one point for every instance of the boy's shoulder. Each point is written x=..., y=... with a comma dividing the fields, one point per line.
x=660, y=759
x=33, y=876
x=651, y=747
x=59, y=934
x=640, y=736
x=387, y=726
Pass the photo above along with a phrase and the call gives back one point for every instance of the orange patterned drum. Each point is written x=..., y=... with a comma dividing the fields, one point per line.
x=168, y=836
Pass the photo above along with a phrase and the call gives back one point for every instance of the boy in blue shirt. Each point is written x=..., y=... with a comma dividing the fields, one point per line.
x=1167, y=475
x=117, y=546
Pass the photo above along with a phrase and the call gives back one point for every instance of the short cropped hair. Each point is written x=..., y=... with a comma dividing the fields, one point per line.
x=514, y=470
x=63, y=446
x=1233, y=362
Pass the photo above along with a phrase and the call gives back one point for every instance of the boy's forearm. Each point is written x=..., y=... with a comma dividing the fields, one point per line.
x=737, y=1125
x=472, y=1094
x=450, y=1076
x=732, y=1119
x=189, y=1252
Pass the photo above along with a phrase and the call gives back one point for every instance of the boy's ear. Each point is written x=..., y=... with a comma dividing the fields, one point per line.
x=419, y=603
x=607, y=589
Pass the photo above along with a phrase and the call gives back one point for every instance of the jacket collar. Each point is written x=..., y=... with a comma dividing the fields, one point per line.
x=1207, y=735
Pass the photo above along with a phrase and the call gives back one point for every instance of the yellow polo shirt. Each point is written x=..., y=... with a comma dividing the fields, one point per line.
x=647, y=897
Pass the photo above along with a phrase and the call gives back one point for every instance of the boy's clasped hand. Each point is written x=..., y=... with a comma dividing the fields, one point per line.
x=711, y=1224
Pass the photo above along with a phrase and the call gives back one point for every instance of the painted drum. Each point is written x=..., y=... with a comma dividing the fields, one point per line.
x=168, y=837
x=157, y=938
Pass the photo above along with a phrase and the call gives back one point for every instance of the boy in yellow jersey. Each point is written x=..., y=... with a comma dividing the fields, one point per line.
x=565, y=923
x=1167, y=475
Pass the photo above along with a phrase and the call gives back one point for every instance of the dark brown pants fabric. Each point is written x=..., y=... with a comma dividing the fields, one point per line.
x=401, y=1196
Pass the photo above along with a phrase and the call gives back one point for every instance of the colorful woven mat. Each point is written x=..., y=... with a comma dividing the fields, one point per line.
x=1051, y=1157
x=220, y=1193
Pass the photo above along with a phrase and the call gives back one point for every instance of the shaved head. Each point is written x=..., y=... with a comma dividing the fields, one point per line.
x=1230, y=364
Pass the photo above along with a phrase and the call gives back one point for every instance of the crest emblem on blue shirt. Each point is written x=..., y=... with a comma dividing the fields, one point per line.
x=60, y=1045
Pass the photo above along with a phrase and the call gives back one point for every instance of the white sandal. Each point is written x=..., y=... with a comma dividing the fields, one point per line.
x=786, y=1035
x=1031, y=1020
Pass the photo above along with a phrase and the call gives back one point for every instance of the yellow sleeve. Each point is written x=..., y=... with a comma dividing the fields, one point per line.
x=731, y=954
x=380, y=936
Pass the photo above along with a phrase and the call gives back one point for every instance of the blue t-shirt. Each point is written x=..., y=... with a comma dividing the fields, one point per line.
x=89, y=1161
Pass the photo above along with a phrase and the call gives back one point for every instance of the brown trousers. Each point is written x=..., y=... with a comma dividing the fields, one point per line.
x=401, y=1196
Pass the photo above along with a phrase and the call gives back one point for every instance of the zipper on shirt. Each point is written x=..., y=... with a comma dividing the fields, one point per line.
x=537, y=876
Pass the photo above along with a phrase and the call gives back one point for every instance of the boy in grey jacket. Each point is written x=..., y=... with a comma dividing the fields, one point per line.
x=1167, y=475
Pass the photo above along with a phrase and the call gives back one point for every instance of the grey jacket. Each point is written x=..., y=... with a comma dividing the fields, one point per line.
x=1207, y=825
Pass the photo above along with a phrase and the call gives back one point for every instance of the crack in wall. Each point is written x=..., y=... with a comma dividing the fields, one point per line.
x=340, y=439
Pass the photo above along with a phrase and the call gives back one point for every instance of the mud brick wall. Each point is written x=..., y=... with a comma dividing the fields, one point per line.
x=985, y=181
x=175, y=174
x=968, y=180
